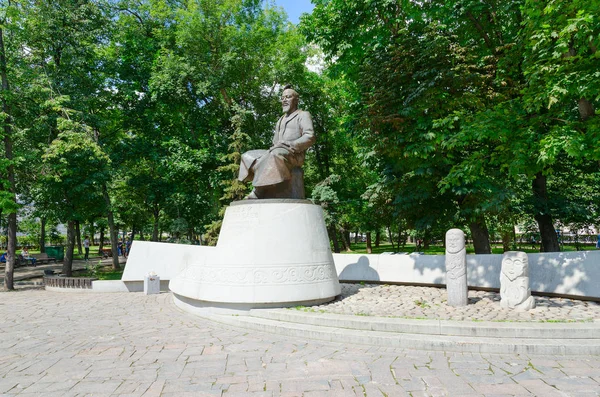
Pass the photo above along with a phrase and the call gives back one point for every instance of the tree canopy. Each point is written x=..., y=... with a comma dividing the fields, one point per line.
x=131, y=115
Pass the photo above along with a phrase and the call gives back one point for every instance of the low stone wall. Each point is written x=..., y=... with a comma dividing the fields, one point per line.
x=563, y=273
x=52, y=282
x=124, y=286
x=165, y=259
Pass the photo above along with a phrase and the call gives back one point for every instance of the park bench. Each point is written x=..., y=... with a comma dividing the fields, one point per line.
x=22, y=261
x=43, y=258
x=105, y=252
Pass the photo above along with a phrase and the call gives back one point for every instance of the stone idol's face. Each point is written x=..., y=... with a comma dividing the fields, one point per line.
x=454, y=242
x=513, y=268
x=289, y=101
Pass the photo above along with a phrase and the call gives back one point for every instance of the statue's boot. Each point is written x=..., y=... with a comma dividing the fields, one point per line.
x=251, y=196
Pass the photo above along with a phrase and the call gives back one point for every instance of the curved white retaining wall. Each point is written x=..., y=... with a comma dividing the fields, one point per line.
x=165, y=259
x=568, y=273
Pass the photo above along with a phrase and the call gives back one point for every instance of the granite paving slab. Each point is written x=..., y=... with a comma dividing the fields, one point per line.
x=131, y=344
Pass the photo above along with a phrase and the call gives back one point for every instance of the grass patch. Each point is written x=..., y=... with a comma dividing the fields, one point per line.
x=438, y=249
x=422, y=303
x=99, y=272
x=304, y=309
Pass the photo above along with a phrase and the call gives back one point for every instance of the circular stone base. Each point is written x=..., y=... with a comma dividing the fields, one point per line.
x=203, y=307
x=270, y=253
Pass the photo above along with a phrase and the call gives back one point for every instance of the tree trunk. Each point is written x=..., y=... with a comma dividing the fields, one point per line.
x=92, y=234
x=549, y=239
x=548, y=235
x=78, y=237
x=506, y=240
x=377, y=238
x=11, y=251
x=480, y=235
x=586, y=109
x=112, y=230
x=342, y=241
x=356, y=237
x=43, y=235
x=389, y=230
x=10, y=174
x=426, y=239
x=401, y=237
x=67, y=268
x=156, y=214
x=334, y=239
x=101, y=242
x=346, y=235
x=369, y=248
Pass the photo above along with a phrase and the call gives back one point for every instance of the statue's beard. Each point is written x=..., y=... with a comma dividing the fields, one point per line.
x=286, y=108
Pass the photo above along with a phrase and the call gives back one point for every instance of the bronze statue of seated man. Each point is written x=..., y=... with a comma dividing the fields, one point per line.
x=277, y=172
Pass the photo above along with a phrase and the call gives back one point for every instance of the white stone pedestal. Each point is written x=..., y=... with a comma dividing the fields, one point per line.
x=270, y=253
x=151, y=285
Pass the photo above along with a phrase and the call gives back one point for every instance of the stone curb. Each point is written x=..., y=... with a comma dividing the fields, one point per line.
x=489, y=329
x=423, y=334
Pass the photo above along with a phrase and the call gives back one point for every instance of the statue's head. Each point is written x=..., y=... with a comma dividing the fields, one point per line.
x=289, y=99
x=515, y=264
x=455, y=241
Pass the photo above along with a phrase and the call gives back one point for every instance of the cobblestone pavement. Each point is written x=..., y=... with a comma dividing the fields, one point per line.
x=430, y=303
x=89, y=344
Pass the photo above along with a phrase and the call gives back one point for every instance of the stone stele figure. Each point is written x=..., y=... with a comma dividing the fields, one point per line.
x=456, y=268
x=514, y=282
x=277, y=172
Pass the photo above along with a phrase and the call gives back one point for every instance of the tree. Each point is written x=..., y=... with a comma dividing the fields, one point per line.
x=407, y=66
x=216, y=72
x=8, y=198
x=453, y=101
x=75, y=170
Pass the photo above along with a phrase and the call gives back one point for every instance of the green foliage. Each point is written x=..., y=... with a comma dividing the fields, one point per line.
x=466, y=103
x=74, y=168
x=428, y=115
x=325, y=195
x=561, y=68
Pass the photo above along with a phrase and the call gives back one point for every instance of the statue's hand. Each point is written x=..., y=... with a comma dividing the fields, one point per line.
x=285, y=145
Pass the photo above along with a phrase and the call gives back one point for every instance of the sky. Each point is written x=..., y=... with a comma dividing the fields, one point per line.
x=294, y=8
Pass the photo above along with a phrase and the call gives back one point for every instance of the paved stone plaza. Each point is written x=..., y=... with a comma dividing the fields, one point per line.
x=131, y=344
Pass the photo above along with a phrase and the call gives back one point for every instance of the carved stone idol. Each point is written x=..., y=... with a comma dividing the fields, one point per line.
x=456, y=268
x=514, y=282
x=277, y=172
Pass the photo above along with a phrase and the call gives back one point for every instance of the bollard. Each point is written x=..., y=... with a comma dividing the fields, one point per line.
x=151, y=284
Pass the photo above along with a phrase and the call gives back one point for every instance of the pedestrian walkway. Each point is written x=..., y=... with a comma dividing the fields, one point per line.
x=419, y=318
x=131, y=344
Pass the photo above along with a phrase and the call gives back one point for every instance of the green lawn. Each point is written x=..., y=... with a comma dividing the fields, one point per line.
x=76, y=256
x=100, y=272
x=361, y=248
